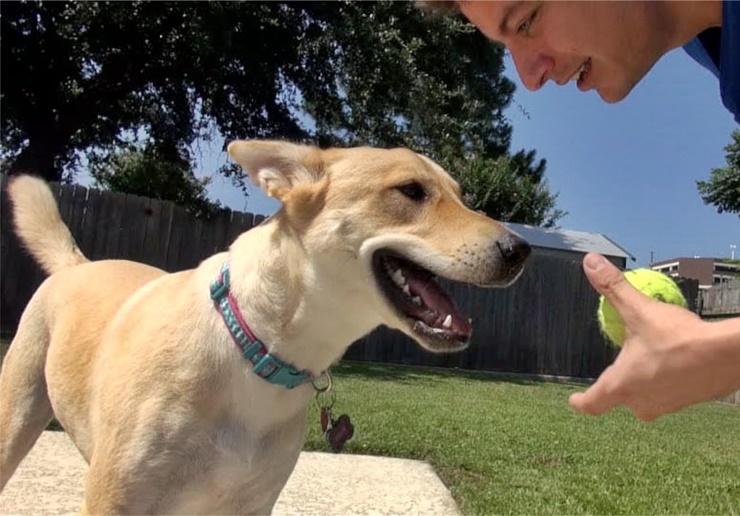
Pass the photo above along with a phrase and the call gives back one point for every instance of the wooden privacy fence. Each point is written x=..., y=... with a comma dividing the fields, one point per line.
x=721, y=301
x=544, y=324
x=114, y=225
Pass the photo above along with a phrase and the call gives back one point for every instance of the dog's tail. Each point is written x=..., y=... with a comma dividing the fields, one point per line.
x=39, y=224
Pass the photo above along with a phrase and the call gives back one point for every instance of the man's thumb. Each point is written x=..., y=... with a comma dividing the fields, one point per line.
x=609, y=281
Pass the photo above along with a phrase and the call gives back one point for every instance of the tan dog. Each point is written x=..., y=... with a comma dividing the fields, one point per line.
x=142, y=371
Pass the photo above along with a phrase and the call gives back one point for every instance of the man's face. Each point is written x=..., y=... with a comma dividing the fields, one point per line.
x=606, y=46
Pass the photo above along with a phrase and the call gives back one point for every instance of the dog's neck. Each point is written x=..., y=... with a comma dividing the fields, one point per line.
x=305, y=311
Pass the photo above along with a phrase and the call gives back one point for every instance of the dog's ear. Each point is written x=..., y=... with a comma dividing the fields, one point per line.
x=277, y=167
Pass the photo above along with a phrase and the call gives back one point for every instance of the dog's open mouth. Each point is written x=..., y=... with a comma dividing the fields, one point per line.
x=421, y=302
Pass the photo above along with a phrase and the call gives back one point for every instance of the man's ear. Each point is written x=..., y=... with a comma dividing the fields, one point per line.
x=276, y=166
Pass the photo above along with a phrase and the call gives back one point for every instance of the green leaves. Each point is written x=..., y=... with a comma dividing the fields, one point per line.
x=84, y=78
x=723, y=187
x=509, y=189
x=156, y=173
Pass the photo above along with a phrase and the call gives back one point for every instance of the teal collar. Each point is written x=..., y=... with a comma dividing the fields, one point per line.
x=264, y=364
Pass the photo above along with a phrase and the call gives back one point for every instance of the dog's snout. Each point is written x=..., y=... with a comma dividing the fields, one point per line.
x=514, y=249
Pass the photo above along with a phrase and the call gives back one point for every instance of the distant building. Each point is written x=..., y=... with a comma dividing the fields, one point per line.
x=570, y=244
x=709, y=271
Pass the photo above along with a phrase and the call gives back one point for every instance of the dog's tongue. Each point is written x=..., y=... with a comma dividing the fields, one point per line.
x=436, y=300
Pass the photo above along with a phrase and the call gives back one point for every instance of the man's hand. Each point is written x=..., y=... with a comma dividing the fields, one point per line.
x=670, y=358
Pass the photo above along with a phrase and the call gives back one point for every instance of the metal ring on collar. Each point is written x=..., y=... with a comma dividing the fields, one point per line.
x=324, y=388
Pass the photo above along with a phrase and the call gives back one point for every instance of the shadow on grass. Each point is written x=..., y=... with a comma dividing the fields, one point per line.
x=411, y=373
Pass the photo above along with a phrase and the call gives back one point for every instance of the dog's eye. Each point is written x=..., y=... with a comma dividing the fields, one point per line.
x=413, y=191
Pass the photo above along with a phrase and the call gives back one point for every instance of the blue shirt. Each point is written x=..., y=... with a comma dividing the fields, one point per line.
x=722, y=58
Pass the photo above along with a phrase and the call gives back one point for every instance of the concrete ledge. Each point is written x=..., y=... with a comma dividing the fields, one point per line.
x=50, y=481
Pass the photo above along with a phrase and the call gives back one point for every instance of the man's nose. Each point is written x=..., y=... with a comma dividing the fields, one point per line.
x=534, y=67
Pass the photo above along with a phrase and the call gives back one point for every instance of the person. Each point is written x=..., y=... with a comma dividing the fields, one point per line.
x=671, y=358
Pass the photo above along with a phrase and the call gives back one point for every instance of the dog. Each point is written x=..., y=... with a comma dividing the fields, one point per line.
x=187, y=392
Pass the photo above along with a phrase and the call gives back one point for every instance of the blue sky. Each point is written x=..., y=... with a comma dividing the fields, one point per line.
x=626, y=170
x=629, y=170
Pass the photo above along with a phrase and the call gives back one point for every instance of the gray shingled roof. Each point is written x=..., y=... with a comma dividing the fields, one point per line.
x=568, y=240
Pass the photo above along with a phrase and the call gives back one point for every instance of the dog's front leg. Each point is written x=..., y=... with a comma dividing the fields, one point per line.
x=109, y=491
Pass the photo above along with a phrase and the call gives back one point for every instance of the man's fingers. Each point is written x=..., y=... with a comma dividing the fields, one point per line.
x=597, y=399
x=610, y=281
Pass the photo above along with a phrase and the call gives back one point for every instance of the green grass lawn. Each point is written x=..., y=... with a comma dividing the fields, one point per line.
x=515, y=447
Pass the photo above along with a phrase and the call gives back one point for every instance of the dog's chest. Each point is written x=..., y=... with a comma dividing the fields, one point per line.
x=245, y=470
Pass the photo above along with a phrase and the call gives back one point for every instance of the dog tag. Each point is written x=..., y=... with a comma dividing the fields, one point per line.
x=325, y=420
x=340, y=431
x=336, y=431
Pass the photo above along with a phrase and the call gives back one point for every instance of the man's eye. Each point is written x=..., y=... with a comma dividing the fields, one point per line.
x=526, y=25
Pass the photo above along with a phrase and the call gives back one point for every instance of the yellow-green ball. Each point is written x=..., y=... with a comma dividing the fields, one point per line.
x=651, y=283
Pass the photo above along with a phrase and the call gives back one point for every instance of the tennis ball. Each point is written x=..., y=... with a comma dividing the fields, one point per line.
x=651, y=283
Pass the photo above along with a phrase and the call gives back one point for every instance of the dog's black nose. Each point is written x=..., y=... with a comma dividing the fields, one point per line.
x=514, y=249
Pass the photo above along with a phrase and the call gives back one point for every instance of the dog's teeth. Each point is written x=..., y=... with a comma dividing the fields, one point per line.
x=416, y=300
x=398, y=278
x=406, y=290
x=447, y=322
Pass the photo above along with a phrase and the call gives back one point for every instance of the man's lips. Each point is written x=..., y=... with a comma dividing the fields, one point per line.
x=574, y=76
x=583, y=75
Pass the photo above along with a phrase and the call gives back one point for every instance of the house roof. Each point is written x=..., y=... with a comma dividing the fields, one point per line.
x=568, y=240
x=695, y=259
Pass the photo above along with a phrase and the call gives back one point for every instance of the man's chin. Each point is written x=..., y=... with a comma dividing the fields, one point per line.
x=612, y=96
x=615, y=93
